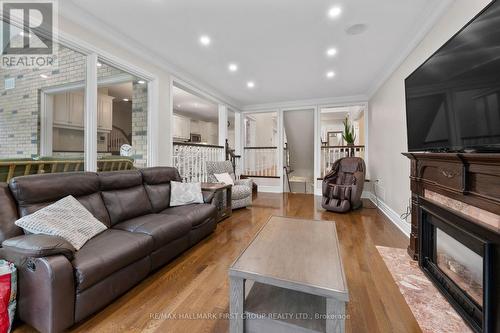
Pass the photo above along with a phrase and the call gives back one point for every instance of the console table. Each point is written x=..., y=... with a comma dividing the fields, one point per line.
x=225, y=209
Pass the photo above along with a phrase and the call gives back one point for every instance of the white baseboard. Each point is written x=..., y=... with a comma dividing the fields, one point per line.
x=394, y=217
x=270, y=189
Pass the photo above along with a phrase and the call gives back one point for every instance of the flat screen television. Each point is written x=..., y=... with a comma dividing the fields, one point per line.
x=453, y=99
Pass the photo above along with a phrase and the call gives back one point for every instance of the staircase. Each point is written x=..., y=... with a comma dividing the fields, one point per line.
x=299, y=134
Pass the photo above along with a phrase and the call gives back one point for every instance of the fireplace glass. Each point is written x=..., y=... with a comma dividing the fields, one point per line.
x=460, y=264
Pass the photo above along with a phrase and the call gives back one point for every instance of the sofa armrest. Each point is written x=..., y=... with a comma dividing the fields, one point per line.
x=38, y=246
x=208, y=196
x=46, y=291
x=246, y=182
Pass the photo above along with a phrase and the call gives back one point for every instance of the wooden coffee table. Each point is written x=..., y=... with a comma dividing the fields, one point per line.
x=296, y=281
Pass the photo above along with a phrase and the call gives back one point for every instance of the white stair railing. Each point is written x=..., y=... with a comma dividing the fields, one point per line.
x=260, y=161
x=190, y=159
x=330, y=154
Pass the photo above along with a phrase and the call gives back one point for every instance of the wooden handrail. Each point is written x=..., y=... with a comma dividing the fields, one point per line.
x=260, y=148
x=340, y=147
x=196, y=145
x=129, y=137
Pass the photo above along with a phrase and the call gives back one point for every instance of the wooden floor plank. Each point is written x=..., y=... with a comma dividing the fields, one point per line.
x=196, y=283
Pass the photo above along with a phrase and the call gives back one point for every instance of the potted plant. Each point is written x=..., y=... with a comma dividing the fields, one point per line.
x=349, y=135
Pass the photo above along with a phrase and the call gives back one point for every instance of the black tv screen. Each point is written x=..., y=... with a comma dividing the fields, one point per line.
x=453, y=99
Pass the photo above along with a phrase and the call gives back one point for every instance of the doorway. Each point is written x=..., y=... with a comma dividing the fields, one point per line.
x=298, y=150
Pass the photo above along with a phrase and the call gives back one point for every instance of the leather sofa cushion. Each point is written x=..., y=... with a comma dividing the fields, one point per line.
x=51, y=187
x=126, y=204
x=119, y=180
x=160, y=175
x=157, y=183
x=196, y=214
x=106, y=253
x=95, y=205
x=124, y=195
x=38, y=191
x=162, y=228
x=159, y=196
x=8, y=214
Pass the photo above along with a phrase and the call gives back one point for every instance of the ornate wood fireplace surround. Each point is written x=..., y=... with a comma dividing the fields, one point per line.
x=456, y=197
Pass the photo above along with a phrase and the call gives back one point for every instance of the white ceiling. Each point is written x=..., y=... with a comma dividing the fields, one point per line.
x=279, y=44
x=193, y=106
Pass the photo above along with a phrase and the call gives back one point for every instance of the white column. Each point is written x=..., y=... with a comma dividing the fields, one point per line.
x=317, y=149
x=90, y=118
x=222, y=124
x=153, y=124
x=238, y=133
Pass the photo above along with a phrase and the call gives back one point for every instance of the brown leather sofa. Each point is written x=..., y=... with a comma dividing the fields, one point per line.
x=343, y=185
x=58, y=286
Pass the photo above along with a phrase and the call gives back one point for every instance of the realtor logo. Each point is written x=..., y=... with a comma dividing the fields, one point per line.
x=28, y=34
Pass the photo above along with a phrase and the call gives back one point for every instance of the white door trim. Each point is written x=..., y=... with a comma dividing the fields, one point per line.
x=90, y=115
x=281, y=149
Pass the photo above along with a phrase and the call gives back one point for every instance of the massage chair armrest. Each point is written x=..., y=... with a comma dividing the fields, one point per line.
x=37, y=246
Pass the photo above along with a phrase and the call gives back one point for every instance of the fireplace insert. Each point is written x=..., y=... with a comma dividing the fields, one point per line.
x=461, y=257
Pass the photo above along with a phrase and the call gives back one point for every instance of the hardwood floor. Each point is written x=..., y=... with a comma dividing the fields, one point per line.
x=191, y=293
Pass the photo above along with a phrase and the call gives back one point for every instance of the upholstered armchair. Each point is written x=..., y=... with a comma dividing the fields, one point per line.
x=343, y=185
x=242, y=188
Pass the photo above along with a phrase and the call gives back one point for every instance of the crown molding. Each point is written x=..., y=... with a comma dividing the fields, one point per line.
x=329, y=101
x=428, y=20
x=72, y=12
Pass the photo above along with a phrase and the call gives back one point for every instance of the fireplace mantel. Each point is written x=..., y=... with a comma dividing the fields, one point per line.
x=456, y=205
x=473, y=179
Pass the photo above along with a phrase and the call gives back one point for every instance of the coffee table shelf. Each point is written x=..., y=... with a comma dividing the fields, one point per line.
x=274, y=309
x=298, y=262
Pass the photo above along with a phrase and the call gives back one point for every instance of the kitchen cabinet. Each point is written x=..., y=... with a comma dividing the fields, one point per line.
x=181, y=127
x=105, y=113
x=69, y=111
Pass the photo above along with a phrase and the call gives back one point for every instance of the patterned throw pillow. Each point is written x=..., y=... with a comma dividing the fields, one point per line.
x=185, y=193
x=66, y=218
x=224, y=178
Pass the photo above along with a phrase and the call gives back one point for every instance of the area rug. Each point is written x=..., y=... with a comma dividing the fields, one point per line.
x=431, y=310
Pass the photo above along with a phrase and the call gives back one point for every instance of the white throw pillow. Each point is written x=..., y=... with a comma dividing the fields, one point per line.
x=66, y=218
x=224, y=178
x=185, y=193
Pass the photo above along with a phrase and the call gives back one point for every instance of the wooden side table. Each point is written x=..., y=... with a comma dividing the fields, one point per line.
x=226, y=210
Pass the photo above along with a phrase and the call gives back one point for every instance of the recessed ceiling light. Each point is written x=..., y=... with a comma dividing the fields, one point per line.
x=141, y=82
x=330, y=74
x=250, y=84
x=233, y=67
x=334, y=12
x=331, y=52
x=178, y=105
x=99, y=64
x=44, y=76
x=125, y=99
x=205, y=40
x=196, y=105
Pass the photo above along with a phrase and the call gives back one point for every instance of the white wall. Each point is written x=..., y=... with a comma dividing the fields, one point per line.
x=264, y=135
x=387, y=116
x=299, y=127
